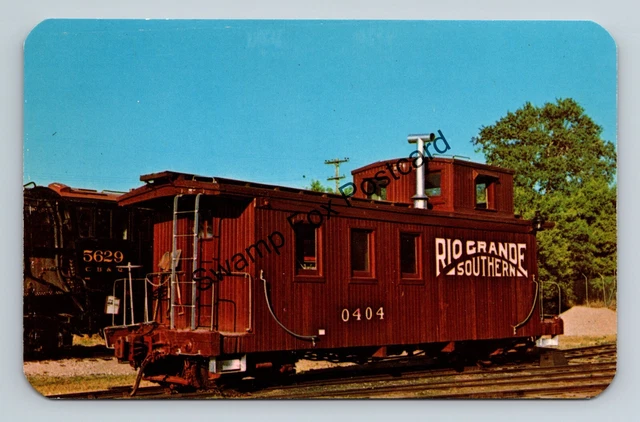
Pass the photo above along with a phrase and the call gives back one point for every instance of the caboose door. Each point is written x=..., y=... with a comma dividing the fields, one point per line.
x=225, y=294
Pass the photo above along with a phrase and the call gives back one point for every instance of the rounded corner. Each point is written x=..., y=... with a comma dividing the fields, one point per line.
x=604, y=30
x=32, y=387
x=37, y=27
x=607, y=387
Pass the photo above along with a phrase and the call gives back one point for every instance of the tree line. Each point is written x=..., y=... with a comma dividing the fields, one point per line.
x=565, y=171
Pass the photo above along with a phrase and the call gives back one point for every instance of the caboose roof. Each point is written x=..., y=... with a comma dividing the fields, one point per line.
x=68, y=192
x=452, y=160
x=170, y=183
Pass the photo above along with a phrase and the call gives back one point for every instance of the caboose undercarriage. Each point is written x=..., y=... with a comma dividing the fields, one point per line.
x=197, y=359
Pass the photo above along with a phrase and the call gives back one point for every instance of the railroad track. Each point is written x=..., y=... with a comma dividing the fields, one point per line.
x=592, y=351
x=514, y=382
x=113, y=393
x=433, y=375
x=589, y=372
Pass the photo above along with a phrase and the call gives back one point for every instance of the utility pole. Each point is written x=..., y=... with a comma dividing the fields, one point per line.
x=336, y=162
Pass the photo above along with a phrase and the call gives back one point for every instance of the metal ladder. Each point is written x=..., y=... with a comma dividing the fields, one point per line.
x=175, y=257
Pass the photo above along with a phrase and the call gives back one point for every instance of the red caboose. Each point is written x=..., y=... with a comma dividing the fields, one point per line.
x=248, y=275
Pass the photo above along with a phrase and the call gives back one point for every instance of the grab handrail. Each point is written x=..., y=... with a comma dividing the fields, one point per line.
x=312, y=339
x=533, y=307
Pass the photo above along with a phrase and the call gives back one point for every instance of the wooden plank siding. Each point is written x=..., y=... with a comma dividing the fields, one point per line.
x=421, y=310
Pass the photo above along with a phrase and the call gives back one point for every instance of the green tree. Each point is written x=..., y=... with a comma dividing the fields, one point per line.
x=317, y=186
x=565, y=170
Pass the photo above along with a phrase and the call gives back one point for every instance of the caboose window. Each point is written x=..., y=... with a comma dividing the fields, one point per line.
x=481, y=195
x=306, y=244
x=361, y=253
x=409, y=254
x=380, y=193
x=484, y=192
x=432, y=184
x=205, y=224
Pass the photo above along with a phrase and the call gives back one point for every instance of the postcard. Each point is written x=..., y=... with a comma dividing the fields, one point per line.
x=292, y=209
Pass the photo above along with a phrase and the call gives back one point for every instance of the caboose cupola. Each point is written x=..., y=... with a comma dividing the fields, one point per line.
x=451, y=185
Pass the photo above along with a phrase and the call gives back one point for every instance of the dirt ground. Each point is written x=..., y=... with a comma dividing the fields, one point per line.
x=77, y=367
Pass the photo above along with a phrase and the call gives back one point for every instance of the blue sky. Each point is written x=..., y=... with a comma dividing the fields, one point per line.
x=269, y=101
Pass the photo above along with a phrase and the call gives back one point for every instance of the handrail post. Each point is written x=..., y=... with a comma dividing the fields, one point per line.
x=174, y=262
x=194, y=266
x=124, y=299
x=541, y=300
x=146, y=301
x=133, y=321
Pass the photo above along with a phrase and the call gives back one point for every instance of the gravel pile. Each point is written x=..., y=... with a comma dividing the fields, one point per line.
x=77, y=367
x=583, y=321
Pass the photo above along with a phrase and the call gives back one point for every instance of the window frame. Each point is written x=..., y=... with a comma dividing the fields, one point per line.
x=205, y=224
x=417, y=277
x=379, y=195
x=436, y=172
x=490, y=182
x=301, y=275
x=366, y=276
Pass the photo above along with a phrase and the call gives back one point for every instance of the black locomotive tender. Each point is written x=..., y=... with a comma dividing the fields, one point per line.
x=74, y=242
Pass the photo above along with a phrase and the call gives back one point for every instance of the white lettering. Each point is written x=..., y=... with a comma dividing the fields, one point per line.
x=441, y=254
x=506, y=259
x=503, y=250
x=492, y=249
x=521, y=251
x=457, y=249
x=467, y=268
x=471, y=247
x=513, y=250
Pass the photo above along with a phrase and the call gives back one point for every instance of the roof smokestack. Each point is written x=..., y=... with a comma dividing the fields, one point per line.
x=420, y=199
